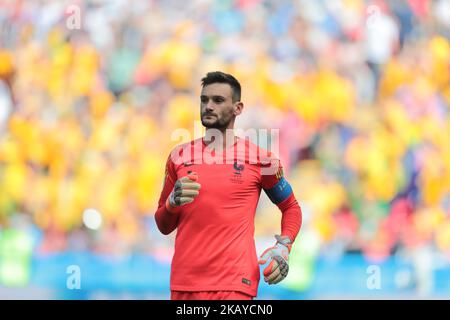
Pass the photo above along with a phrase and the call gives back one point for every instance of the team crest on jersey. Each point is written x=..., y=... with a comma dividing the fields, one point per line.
x=238, y=168
x=237, y=176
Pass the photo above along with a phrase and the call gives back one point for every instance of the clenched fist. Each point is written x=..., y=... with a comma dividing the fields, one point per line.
x=184, y=191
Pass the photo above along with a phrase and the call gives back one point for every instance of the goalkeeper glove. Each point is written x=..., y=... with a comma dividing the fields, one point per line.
x=184, y=191
x=278, y=256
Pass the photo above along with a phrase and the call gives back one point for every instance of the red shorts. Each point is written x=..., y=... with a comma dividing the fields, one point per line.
x=209, y=295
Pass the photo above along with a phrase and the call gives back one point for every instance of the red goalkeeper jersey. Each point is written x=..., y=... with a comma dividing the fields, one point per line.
x=214, y=245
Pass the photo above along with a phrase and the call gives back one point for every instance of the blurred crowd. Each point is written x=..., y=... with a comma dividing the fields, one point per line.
x=359, y=89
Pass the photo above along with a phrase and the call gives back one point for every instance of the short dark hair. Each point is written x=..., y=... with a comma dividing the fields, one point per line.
x=221, y=77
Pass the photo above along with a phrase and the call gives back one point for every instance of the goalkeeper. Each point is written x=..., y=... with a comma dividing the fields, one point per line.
x=212, y=205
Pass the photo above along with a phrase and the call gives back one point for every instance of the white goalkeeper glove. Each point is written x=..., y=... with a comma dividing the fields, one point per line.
x=278, y=255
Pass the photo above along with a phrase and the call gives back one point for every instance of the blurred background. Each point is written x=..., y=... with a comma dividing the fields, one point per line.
x=90, y=92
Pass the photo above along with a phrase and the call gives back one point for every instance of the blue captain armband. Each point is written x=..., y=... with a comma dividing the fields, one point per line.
x=279, y=192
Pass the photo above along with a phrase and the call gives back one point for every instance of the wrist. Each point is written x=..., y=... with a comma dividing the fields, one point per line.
x=170, y=207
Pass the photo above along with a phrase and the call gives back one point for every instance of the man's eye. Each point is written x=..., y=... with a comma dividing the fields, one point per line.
x=218, y=100
x=204, y=100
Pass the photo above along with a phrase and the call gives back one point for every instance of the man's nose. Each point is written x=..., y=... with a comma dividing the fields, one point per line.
x=209, y=106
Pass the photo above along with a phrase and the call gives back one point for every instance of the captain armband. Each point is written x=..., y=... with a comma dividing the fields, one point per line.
x=279, y=192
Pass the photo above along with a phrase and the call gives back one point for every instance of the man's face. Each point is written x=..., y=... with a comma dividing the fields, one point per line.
x=216, y=105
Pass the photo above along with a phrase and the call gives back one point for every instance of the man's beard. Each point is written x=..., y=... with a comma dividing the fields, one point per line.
x=220, y=123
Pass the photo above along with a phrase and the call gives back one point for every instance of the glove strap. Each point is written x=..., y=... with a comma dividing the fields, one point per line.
x=285, y=241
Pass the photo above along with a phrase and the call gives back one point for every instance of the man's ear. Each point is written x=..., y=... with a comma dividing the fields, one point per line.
x=238, y=106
